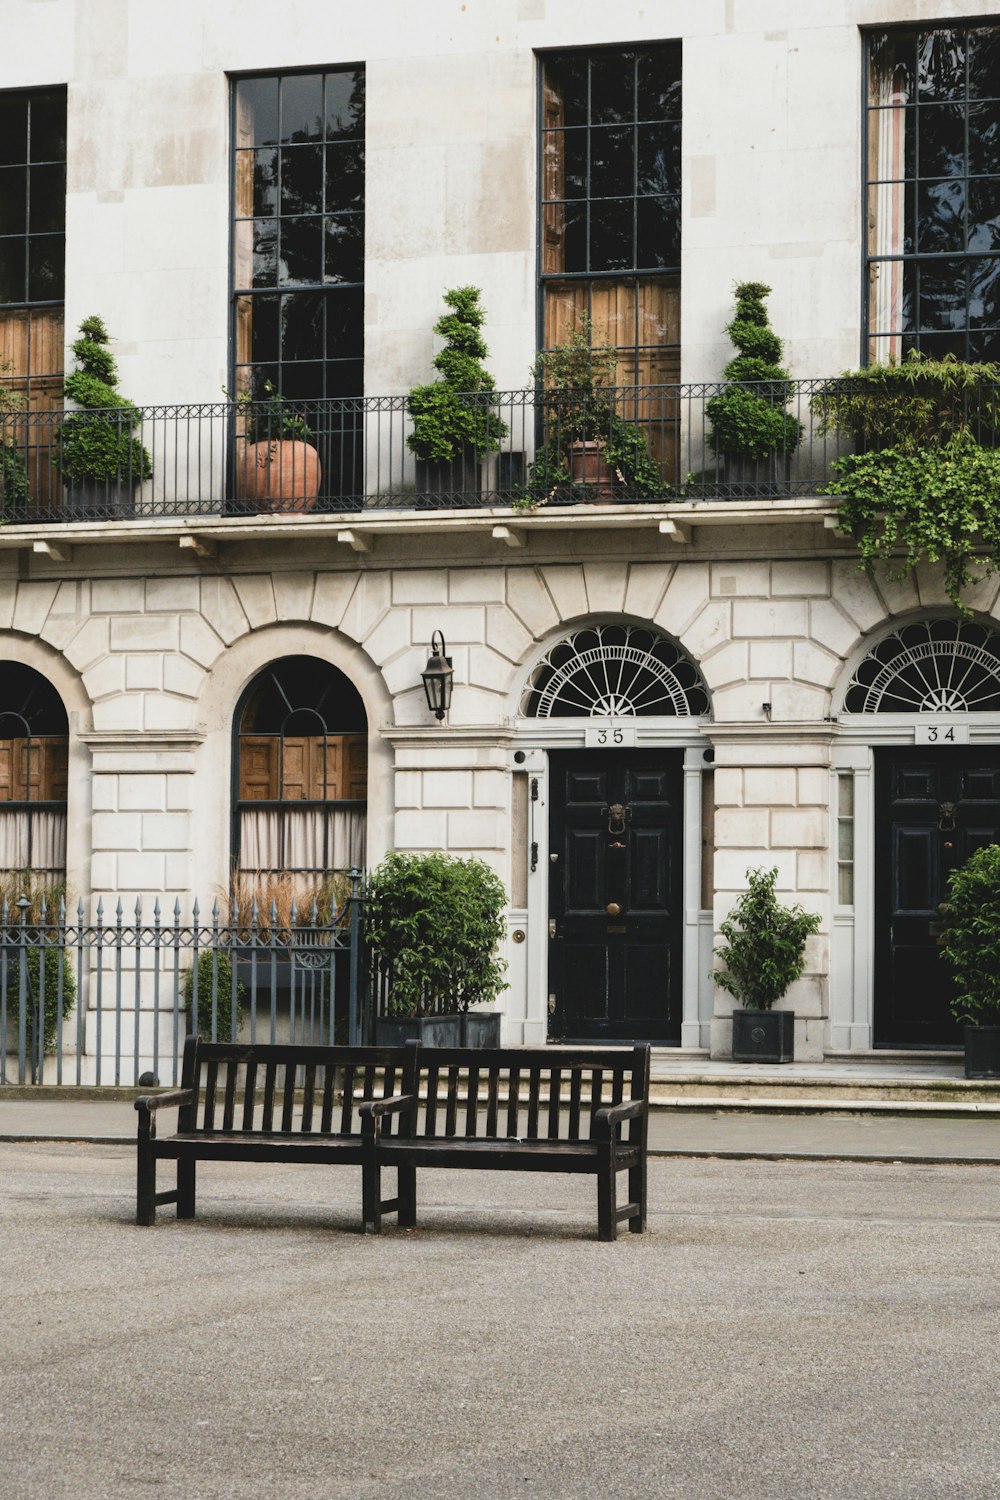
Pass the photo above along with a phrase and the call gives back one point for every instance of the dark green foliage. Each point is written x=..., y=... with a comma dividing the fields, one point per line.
x=13, y=471
x=748, y=418
x=455, y=412
x=764, y=951
x=214, y=965
x=920, y=403
x=971, y=938
x=96, y=445
x=433, y=924
x=576, y=382
x=32, y=956
x=271, y=419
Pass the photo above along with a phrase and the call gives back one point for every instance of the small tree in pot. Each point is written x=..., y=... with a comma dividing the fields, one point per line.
x=433, y=924
x=971, y=945
x=764, y=953
x=277, y=466
x=101, y=462
x=751, y=430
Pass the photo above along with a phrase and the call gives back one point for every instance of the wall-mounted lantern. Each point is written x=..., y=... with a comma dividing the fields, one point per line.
x=437, y=677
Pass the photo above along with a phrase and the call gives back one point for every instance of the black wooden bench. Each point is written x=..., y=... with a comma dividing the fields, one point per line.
x=514, y=1109
x=262, y=1103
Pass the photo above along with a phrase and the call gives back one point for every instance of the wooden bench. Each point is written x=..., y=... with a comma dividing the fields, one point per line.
x=513, y=1109
x=267, y=1104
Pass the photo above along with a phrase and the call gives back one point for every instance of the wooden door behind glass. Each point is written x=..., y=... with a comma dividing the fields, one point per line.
x=615, y=895
x=934, y=807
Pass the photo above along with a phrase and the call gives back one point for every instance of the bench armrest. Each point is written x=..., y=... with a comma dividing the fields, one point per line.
x=171, y=1097
x=370, y=1111
x=606, y=1121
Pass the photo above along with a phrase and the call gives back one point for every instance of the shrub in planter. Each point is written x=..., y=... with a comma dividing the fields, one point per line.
x=751, y=429
x=763, y=953
x=433, y=924
x=217, y=965
x=14, y=494
x=99, y=459
x=971, y=945
x=916, y=404
x=454, y=421
x=277, y=466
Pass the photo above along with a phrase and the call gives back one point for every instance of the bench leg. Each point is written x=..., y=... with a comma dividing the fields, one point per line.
x=607, y=1198
x=637, y=1194
x=406, y=1187
x=185, y=1188
x=371, y=1196
x=145, y=1197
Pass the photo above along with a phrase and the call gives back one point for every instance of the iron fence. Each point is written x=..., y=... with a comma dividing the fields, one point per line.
x=110, y=1001
x=537, y=446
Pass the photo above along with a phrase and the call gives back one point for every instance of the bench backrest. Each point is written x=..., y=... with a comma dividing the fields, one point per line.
x=526, y=1093
x=289, y=1090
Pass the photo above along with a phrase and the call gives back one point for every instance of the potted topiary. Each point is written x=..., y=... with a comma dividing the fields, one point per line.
x=764, y=953
x=588, y=453
x=455, y=425
x=751, y=429
x=14, y=493
x=101, y=463
x=971, y=944
x=432, y=925
x=277, y=466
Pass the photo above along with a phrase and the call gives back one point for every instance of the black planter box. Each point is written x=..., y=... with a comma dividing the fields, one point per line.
x=451, y=484
x=763, y=1036
x=481, y=1028
x=757, y=478
x=982, y=1051
x=430, y=1031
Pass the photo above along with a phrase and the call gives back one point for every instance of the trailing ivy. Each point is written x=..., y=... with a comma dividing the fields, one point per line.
x=764, y=951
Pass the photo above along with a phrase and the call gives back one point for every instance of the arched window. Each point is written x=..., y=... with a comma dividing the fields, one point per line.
x=615, y=671
x=301, y=755
x=936, y=666
x=33, y=762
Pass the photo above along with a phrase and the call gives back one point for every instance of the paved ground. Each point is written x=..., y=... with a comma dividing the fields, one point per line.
x=909, y=1135
x=786, y=1331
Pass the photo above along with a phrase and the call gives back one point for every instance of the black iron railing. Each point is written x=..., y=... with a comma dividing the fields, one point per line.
x=653, y=443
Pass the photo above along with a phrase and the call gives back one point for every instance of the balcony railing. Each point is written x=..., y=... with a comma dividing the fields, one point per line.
x=654, y=443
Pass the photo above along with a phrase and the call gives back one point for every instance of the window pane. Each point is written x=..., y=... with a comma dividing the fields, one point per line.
x=891, y=210
x=611, y=163
x=612, y=88
x=984, y=62
x=985, y=345
x=941, y=215
x=344, y=378
x=939, y=345
x=264, y=329
x=345, y=177
x=845, y=795
x=941, y=65
x=942, y=295
x=302, y=180
x=984, y=292
x=48, y=126
x=265, y=252
x=611, y=226
x=892, y=66
x=659, y=159
x=13, y=129
x=265, y=181
x=301, y=260
x=984, y=137
x=345, y=105
x=565, y=164
x=892, y=144
x=567, y=78
x=984, y=214
x=660, y=84
x=257, y=101
x=13, y=199
x=345, y=248
x=345, y=332
x=46, y=254
x=302, y=107
x=942, y=141
x=659, y=233
x=302, y=382
x=302, y=326
x=47, y=203
x=565, y=237
x=13, y=259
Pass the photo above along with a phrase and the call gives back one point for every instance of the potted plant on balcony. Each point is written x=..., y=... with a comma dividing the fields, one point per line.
x=752, y=432
x=101, y=463
x=971, y=945
x=277, y=466
x=433, y=924
x=455, y=423
x=589, y=452
x=763, y=953
x=14, y=493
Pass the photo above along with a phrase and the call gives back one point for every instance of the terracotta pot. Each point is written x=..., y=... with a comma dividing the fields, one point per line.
x=588, y=467
x=279, y=476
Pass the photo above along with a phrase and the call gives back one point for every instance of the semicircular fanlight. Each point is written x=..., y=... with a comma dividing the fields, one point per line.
x=615, y=671
x=936, y=666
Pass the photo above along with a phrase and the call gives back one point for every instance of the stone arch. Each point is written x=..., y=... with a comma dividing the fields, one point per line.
x=611, y=666
x=928, y=663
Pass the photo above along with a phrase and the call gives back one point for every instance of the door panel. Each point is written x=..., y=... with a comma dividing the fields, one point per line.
x=918, y=842
x=615, y=893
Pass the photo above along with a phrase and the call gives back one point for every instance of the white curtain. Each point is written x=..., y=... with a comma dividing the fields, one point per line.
x=35, y=840
x=260, y=838
x=887, y=209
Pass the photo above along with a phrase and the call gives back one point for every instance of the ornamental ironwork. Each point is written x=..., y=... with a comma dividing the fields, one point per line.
x=615, y=671
x=942, y=666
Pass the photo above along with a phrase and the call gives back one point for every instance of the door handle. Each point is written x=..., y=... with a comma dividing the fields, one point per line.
x=552, y=927
x=613, y=909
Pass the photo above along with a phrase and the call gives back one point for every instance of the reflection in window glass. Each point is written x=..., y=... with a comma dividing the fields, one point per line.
x=933, y=200
x=845, y=838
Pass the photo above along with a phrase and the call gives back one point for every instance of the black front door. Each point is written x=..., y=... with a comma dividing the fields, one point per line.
x=615, y=894
x=933, y=808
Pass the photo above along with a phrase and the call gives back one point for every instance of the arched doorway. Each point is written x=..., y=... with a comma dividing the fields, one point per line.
x=300, y=770
x=927, y=699
x=34, y=748
x=616, y=704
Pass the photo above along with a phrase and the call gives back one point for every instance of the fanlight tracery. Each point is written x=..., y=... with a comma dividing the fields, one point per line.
x=615, y=671
x=930, y=667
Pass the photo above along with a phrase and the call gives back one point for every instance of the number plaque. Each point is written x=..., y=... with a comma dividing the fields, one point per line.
x=941, y=731
x=609, y=734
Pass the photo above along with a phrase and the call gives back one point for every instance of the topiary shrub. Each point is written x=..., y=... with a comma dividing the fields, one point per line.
x=455, y=412
x=971, y=937
x=433, y=924
x=14, y=493
x=96, y=445
x=748, y=418
x=214, y=964
x=764, y=951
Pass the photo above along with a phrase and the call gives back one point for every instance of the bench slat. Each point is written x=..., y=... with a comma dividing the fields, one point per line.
x=430, y=1110
x=575, y=1089
x=308, y=1095
x=472, y=1101
x=534, y=1091
x=326, y=1114
x=513, y=1100
x=555, y=1089
x=347, y=1111
x=249, y=1093
x=270, y=1074
x=211, y=1077
x=492, y=1098
x=288, y=1098
x=229, y=1099
x=451, y=1109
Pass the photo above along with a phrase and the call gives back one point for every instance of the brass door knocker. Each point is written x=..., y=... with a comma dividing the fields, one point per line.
x=946, y=817
x=616, y=818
